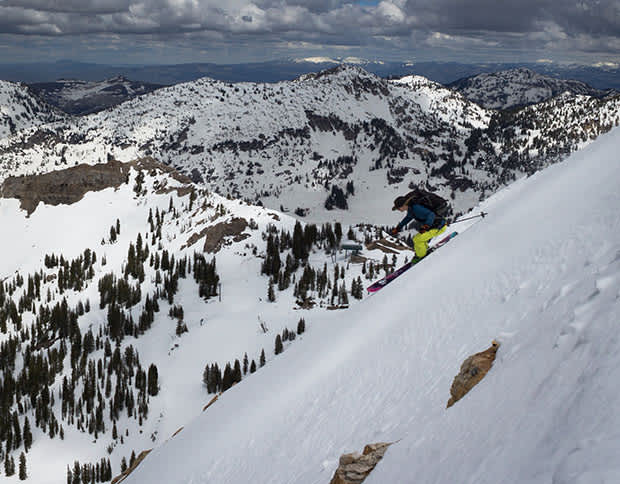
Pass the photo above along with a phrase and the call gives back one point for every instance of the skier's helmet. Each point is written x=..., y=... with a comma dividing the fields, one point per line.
x=399, y=202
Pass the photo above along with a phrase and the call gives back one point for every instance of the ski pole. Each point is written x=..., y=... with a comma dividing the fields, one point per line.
x=481, y=214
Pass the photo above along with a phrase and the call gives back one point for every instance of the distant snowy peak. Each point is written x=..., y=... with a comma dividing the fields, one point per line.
x=84, y=97
x=20, y=109
x=316, y=60
x=350, y=76
x=518, y=87
x=417, y=81
x=337, y=60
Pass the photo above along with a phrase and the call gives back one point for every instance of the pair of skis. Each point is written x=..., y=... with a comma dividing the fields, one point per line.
x=381, y=283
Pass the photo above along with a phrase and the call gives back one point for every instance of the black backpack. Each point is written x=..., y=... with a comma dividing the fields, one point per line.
x=429, y=200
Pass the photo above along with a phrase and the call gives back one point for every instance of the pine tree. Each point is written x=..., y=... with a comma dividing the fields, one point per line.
x=245, y=364
x=342, y=296
x=23, y=475
x=17, y=431
x=77, y=473
x=152, y=378
x=301, y=326
x=338, y=232
x=27, y=434
x=205, y=377
x=279, y=347
x=271, y=294
x=227, y=379
x=237, y=372
x=253, y=367
x=262, y=358
x=9, y=465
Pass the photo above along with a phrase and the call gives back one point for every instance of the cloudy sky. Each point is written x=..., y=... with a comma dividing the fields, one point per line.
x=231, y=31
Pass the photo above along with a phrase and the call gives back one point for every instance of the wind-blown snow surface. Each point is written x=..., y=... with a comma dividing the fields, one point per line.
x=541, y=274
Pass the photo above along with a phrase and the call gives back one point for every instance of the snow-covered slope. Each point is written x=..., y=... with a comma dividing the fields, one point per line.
x=134, y=243
x=519, y=87
x=541, y=274
x=20, y=109
x=452, y=107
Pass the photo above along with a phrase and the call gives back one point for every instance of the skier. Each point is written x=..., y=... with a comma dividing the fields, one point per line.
x=428, y=222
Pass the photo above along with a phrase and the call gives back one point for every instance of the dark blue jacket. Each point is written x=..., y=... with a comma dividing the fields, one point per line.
x=422, y=215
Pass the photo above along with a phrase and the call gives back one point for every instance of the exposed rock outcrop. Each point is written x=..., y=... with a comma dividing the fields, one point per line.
x=355, y=467
x=217, y=235
x=472, y=371
x=68, y=186
x=130, y=469
x=387, y=246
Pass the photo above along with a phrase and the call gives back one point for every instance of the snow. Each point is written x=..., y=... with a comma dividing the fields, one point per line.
x=219, y=331
x=260, y=142
x=541, y=274
x=20, y=110
x=201, y=115
x=317, y=60
x=518, y=87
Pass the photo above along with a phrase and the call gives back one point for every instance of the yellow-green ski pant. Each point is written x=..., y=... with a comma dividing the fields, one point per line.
x=420, y=241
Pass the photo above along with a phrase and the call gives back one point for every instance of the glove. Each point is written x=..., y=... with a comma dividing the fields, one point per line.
x=424, y=228
x=394, y=231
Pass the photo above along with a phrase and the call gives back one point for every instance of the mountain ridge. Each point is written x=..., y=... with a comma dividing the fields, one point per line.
x=599, y=76
x=520, y=87
x=340, y=130
x=157, y=237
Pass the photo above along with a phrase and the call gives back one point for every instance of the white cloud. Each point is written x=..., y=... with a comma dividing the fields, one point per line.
x=396, y=27
x=391, y=11
x=607, y=64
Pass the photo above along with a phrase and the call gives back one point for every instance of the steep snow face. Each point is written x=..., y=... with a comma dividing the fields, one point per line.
x=541, y=274
x=518, y=87
x=19, y=109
